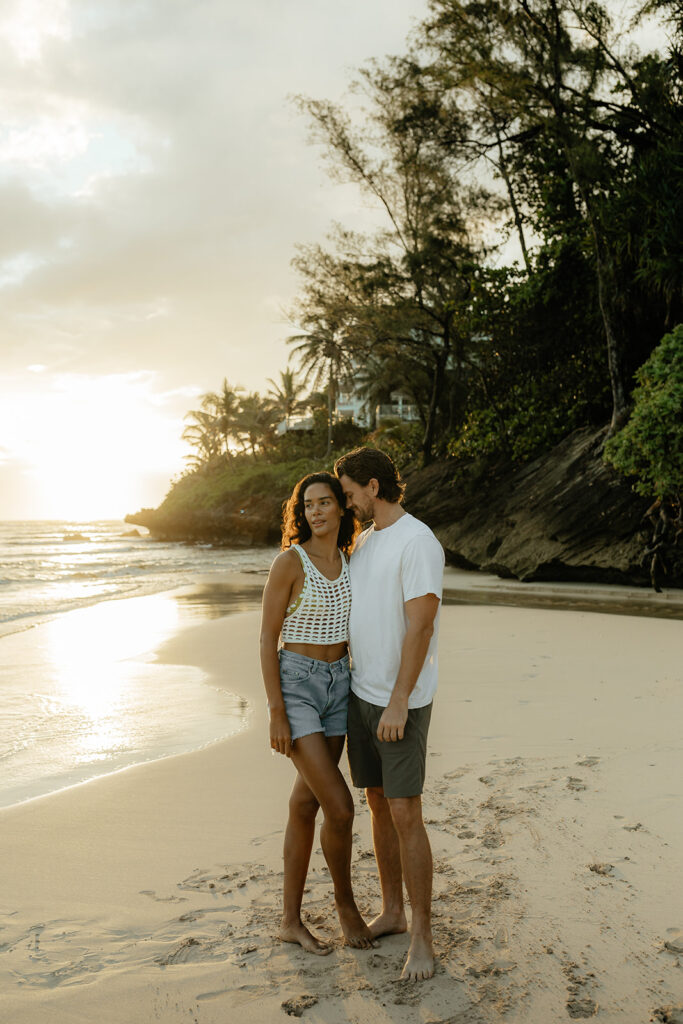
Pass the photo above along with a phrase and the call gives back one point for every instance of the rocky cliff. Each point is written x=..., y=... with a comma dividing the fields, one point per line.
x=565, y=516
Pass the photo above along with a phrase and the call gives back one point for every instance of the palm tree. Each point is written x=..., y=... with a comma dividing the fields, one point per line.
x=287, y=394
x=224, y=406
x=204, y=435
x=255, y=422
x=324, y=356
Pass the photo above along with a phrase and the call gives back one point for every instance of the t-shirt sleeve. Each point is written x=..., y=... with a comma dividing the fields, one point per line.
x=422, y=565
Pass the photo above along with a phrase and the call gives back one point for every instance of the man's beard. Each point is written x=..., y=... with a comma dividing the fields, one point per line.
x=363, y=515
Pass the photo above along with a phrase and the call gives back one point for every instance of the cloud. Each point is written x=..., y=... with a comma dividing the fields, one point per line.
x=163, y=191
x=155, y=178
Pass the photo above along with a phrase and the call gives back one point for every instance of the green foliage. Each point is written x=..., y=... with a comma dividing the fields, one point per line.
x=401, y=441
x=219, y=485
x=650, y=446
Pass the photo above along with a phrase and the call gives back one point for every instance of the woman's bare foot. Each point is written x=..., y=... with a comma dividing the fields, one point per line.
x=356, y=932
x=419, y=963
x=297, y=932
x=387, y=923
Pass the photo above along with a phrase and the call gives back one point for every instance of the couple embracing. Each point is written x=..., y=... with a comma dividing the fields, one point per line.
x=375, y=595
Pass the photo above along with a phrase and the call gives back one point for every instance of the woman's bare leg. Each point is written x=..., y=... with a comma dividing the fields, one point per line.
x=299, y=834
x=317, y=762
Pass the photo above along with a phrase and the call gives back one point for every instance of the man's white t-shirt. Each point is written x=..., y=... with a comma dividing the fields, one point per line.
x=389, y=567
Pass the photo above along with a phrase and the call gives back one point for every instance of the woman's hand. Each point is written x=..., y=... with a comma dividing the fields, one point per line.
x=280, y=732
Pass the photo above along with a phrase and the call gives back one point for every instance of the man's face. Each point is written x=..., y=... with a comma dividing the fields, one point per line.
x=361, y=500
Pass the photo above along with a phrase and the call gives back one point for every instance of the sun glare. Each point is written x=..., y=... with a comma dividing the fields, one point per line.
x=96, y=679
x=89, y=445
x=88, y=648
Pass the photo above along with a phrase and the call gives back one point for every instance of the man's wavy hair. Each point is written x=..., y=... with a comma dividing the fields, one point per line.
x=366, y=464
x=295, y=528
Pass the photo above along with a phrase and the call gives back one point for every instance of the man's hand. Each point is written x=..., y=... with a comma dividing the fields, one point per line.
x=280, y=732
x=393, y=721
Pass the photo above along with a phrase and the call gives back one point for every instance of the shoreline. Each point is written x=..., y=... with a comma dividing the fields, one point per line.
x=553, y=806
x=461, y=586
x=219, y=593
x=86, y=731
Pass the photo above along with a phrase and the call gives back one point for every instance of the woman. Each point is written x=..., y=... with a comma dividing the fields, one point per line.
x=306, y=603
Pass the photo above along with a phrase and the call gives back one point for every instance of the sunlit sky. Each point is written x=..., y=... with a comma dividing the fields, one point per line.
x=154, y=180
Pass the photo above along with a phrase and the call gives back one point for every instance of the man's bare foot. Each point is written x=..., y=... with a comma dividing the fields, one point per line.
x=419, y=963
x=299, y=933
x=388, y=923
x=356, y=932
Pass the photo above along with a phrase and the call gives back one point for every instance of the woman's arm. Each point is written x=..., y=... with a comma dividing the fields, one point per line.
x=276, y=596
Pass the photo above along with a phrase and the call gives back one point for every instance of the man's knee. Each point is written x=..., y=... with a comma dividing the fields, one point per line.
x=406, y=813
x=377, y=802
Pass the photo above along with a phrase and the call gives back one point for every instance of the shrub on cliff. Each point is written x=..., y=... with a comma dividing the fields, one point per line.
x=650, y=446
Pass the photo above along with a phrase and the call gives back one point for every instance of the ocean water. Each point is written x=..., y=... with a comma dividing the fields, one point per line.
x=56, y=566
x=83, y=609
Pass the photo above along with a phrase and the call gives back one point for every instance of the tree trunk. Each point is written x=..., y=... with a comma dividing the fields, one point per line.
x=517, y=216
x=614, y=348
x=607, y=296
x=330, y=410
x=437, y=390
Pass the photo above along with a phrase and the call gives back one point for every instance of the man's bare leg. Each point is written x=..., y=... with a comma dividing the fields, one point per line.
x=318, y=768
x=416, y=862
x=392, y=918
x=299, y=834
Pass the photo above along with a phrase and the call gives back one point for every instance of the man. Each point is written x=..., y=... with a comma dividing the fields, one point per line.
x=396, y=583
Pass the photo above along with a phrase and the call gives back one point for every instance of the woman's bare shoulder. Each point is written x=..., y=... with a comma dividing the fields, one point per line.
x=286, y=565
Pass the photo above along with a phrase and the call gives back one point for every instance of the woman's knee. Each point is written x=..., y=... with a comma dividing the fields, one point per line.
x=303, y=806
x=339, y=813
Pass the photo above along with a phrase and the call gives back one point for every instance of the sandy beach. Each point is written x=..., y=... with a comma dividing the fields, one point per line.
x=554, y=804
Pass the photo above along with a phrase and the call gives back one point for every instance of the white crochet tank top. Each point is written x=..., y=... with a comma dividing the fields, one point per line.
x=320, y=614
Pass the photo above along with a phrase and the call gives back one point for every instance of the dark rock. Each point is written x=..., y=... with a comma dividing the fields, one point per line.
x=253, y=524
x=564, y=516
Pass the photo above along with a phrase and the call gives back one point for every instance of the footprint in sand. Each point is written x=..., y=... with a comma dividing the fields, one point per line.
x=162, y=899
x=493, y=969
x=491, y=838
x=192, y=915
x=295, y=1007
x=668, y=1014
x=192, y=950
x=576, y=785
x=603, y=869
x=258, y=840
x=581, y=1008
x=579, y=1002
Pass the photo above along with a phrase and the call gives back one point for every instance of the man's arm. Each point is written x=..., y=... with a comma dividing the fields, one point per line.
x=420, y=612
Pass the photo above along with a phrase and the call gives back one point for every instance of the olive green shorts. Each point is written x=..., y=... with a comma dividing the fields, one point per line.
x=398, y=766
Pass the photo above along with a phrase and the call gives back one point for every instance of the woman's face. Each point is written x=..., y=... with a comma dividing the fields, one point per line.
x=322, y=511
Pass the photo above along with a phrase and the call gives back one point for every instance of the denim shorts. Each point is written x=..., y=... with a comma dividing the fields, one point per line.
x=316, y=693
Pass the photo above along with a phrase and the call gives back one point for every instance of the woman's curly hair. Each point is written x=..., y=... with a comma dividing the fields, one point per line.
x=295, y=528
